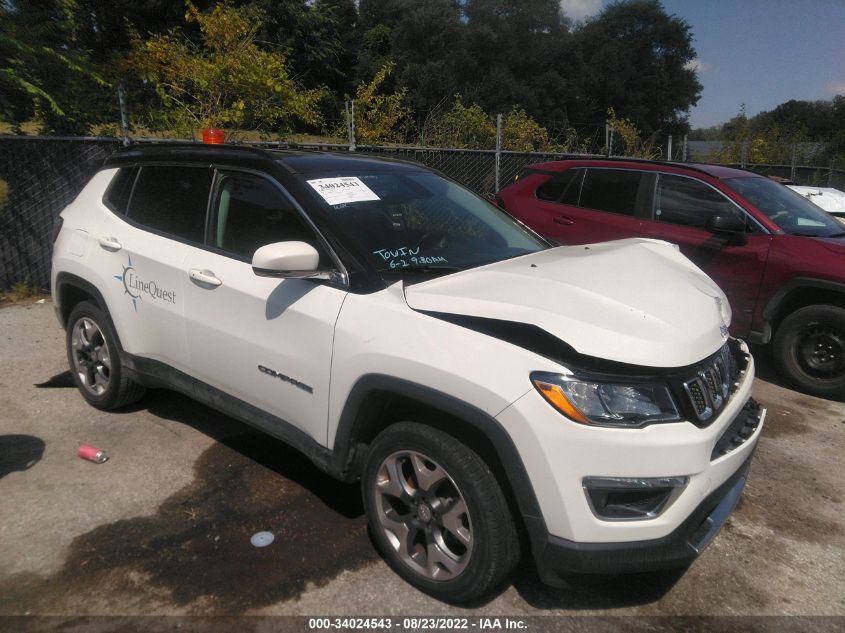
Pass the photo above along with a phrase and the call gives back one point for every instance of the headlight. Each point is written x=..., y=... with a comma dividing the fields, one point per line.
x=605, y=403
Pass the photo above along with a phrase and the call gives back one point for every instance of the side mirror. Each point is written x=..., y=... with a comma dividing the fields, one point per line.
x=286, y=259
x=725, y=224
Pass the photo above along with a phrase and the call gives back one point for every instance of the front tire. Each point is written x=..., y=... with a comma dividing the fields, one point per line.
x=809, y=350
x=94, y=360
x=437, y=513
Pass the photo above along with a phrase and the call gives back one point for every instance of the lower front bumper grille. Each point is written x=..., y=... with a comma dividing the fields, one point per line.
x=739, y=431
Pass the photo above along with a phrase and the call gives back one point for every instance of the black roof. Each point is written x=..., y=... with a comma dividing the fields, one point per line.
x=295, y=161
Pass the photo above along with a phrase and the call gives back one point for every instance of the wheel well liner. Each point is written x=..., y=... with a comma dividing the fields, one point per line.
x=801, y=292
x=71, y=289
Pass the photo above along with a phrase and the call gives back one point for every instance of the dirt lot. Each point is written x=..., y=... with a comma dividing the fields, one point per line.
x=163, y=527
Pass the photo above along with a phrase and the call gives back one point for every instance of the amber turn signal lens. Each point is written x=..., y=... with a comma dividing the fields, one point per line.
x=555, y=396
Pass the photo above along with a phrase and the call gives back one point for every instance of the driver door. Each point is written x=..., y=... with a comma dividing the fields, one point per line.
x=266, y=341
x=682, y=206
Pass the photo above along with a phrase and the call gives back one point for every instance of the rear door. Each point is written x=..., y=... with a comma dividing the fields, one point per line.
x=682, y=205
x=594, y=205
x=159, y=212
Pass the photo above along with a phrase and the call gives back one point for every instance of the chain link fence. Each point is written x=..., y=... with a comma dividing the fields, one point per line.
x=39, y=176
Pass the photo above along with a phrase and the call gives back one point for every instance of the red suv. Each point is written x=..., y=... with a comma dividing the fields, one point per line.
x=778, y=257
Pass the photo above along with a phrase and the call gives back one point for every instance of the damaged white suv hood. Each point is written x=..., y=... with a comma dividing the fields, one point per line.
x=635, y=301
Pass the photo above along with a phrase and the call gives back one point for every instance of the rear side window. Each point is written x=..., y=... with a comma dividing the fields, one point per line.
x=117, y=193
x=689, y=202
x=172, y=200
x=563, y=187
x=250, y=211
x=612, y=190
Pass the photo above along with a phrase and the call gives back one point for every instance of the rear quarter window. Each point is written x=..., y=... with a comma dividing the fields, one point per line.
x=563, y=187
x=117, y=193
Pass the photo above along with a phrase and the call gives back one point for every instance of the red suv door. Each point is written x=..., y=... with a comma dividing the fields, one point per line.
x=681, y=208
x=587, y=205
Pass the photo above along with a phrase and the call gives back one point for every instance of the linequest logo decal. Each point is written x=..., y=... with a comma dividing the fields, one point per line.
x=136, y=287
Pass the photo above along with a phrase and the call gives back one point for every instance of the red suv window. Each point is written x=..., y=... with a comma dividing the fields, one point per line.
x=688, y=202
x=612, y=190
x=563, y=187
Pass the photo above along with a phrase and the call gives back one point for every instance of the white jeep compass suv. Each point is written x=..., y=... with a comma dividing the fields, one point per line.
x=492, y=393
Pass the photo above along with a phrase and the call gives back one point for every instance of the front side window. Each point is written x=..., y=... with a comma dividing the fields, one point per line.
x=249, y=212
x=791, y=211
x=172, y=199
x=612, y=190
x=689, y=202
x=419, y=220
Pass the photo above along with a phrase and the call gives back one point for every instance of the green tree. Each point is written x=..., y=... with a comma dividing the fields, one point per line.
x=381, y=116
x=517, y=53
x=318, y=37
x=427, y=45
x=43, y=75
x=633, y=143
x=637, y=61
x=461, y=126
x=374, y=31
x=521, y=133
x=224, y=79
x=103, y=26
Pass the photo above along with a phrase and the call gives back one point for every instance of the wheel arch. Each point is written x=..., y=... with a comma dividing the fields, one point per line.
x=800, y=293
x=72, y=290
x=376, y=401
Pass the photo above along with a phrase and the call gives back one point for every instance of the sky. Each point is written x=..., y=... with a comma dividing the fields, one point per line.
x=757, y=52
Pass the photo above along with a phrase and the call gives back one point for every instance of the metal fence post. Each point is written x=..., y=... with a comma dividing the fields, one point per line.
x=669, y=148
x=684, y=151
x=498, y=148
x=608, y=139
x=349, y=106
x=794, y=162
x=743, y=154
x=124, y=123
x=348, y=128
x=830, y=173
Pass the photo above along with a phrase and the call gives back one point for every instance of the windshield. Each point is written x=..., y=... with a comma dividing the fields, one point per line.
x=418, y=221
x=790, y=211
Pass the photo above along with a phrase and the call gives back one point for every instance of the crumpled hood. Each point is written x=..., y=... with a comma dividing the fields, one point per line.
x=637, y=301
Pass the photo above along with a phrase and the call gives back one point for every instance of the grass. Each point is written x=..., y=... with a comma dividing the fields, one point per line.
x=22, y=292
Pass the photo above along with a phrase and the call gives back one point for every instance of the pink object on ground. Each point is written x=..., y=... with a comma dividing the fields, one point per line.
x=91, y=453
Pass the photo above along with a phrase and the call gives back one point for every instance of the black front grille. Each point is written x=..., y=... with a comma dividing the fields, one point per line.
x=710, y=387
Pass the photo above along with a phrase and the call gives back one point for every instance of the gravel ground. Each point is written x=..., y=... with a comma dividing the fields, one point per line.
x=163, y=527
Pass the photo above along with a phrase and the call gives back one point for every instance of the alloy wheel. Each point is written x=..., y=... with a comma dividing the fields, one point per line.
x=90, y=355
x=423, y=515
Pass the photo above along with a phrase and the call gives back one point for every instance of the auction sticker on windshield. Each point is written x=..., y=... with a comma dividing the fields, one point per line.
x=343, y=190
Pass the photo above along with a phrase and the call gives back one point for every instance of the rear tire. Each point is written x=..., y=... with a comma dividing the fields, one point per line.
x=94, y=360
x=809, y=350
x=437, y=513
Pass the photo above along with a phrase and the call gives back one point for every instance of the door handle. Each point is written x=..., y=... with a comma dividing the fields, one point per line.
x=204, y=277
x=110, y=244
x=562, y=219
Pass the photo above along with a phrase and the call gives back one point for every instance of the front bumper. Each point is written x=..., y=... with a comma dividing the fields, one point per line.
x=559, y=556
